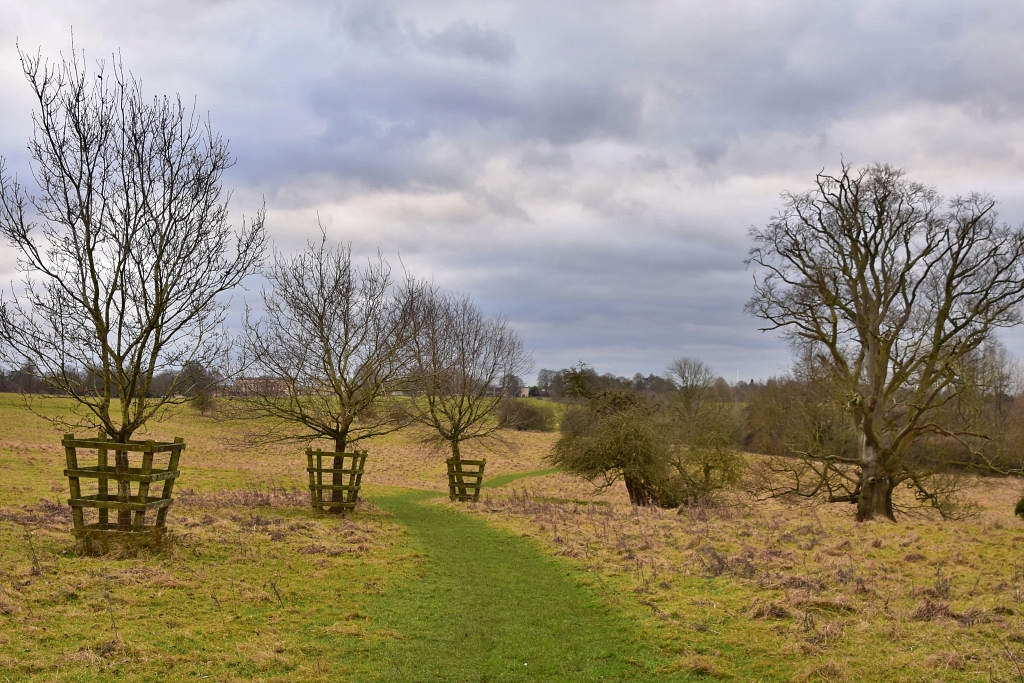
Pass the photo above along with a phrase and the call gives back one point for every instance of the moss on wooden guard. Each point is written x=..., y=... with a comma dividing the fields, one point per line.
x=346, y=470
x=137, y=504
x=465, y=478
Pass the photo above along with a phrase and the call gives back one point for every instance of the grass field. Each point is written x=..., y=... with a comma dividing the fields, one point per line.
x=541, y=580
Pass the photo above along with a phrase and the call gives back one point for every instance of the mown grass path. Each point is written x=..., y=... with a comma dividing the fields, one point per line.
x=488, y=606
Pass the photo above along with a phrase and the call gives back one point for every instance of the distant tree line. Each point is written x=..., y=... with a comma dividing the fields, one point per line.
x=676, y=438
x=188, y=382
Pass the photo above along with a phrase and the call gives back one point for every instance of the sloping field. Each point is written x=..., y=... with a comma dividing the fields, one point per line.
x=256, y=586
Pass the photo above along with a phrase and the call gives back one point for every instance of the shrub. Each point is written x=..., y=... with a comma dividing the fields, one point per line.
x=617, y=437
x=204, y=402
x=1019, y=510
x=525, y=415
x=703, y=459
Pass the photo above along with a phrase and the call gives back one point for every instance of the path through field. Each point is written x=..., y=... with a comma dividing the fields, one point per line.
x=489, y=606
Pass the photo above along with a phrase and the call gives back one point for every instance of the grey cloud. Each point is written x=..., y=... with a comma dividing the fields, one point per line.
x=461, y=38
x=369, y=23
x=597, y=163
x=566, y=112
x=547, y=159
x=650, y=162
x=659, y=300
x=376, y=123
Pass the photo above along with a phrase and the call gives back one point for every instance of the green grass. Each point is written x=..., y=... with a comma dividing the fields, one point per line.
x=487, y=606
x=504, y=479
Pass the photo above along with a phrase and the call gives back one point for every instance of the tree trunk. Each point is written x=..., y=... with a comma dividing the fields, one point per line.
x=337, y=478
x=639, y=494
x=124, y=492
x=875, y=500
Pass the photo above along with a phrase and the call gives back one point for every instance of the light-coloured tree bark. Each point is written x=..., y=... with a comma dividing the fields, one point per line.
x=892, y=291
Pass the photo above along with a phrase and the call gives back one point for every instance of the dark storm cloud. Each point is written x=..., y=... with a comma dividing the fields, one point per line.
x=590, y=168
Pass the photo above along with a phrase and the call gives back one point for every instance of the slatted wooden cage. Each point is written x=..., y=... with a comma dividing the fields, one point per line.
x=465, y=478
x=154, y=461
x=345, y=472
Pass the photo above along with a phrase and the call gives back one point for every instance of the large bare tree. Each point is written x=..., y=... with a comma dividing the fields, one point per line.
x=891, y=292
x=459, y=358
x=125, y=244
x=332, y=345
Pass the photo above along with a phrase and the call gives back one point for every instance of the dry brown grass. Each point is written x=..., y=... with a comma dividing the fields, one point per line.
x=841, y=600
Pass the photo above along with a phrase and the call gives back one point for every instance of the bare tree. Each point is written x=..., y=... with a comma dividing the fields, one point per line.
x=459, y=360
x=693, y=382
x=126, y=248
x=891, y=291
x=333, y=340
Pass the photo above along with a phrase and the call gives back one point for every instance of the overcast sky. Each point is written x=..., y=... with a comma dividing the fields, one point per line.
x=589, y=169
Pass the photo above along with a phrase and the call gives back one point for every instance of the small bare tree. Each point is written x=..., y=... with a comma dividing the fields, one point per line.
x=693, y=384
x=459, y=358
x=125, y=279
x=333, y=343
x=704, y=458
x=891, y=292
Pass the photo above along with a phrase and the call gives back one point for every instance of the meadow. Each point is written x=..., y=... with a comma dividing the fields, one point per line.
x=543, y=579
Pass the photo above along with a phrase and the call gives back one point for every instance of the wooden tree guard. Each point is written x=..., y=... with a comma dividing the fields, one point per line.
x=351, y=471
x=142, y=476
x=465, y=478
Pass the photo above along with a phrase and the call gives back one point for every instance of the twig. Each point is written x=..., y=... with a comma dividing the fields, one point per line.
x=1013, y=658
x=37, y=570
x=273, y=585
x=110, y=610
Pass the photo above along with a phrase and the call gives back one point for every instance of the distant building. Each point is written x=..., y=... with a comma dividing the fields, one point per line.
x=258, y=386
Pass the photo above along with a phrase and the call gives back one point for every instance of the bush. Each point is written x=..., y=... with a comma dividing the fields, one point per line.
x=525, y=415
x=606, y=443
x=620, y=436
x=663, y=457
x=204, y=402
x=1019, y=510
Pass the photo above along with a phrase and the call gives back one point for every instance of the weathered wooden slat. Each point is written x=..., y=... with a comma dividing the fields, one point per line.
x=350, y=472
x=71, y=456
x=112, y=527
x=464, y=484
x=105, y=472
x=141, y=502
x=314, y=494
x=101, y=456
x=335, y=487
x=111, y=502
x=139, y=519
x=133, y=446
x=328, y=470
x=168, y=489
